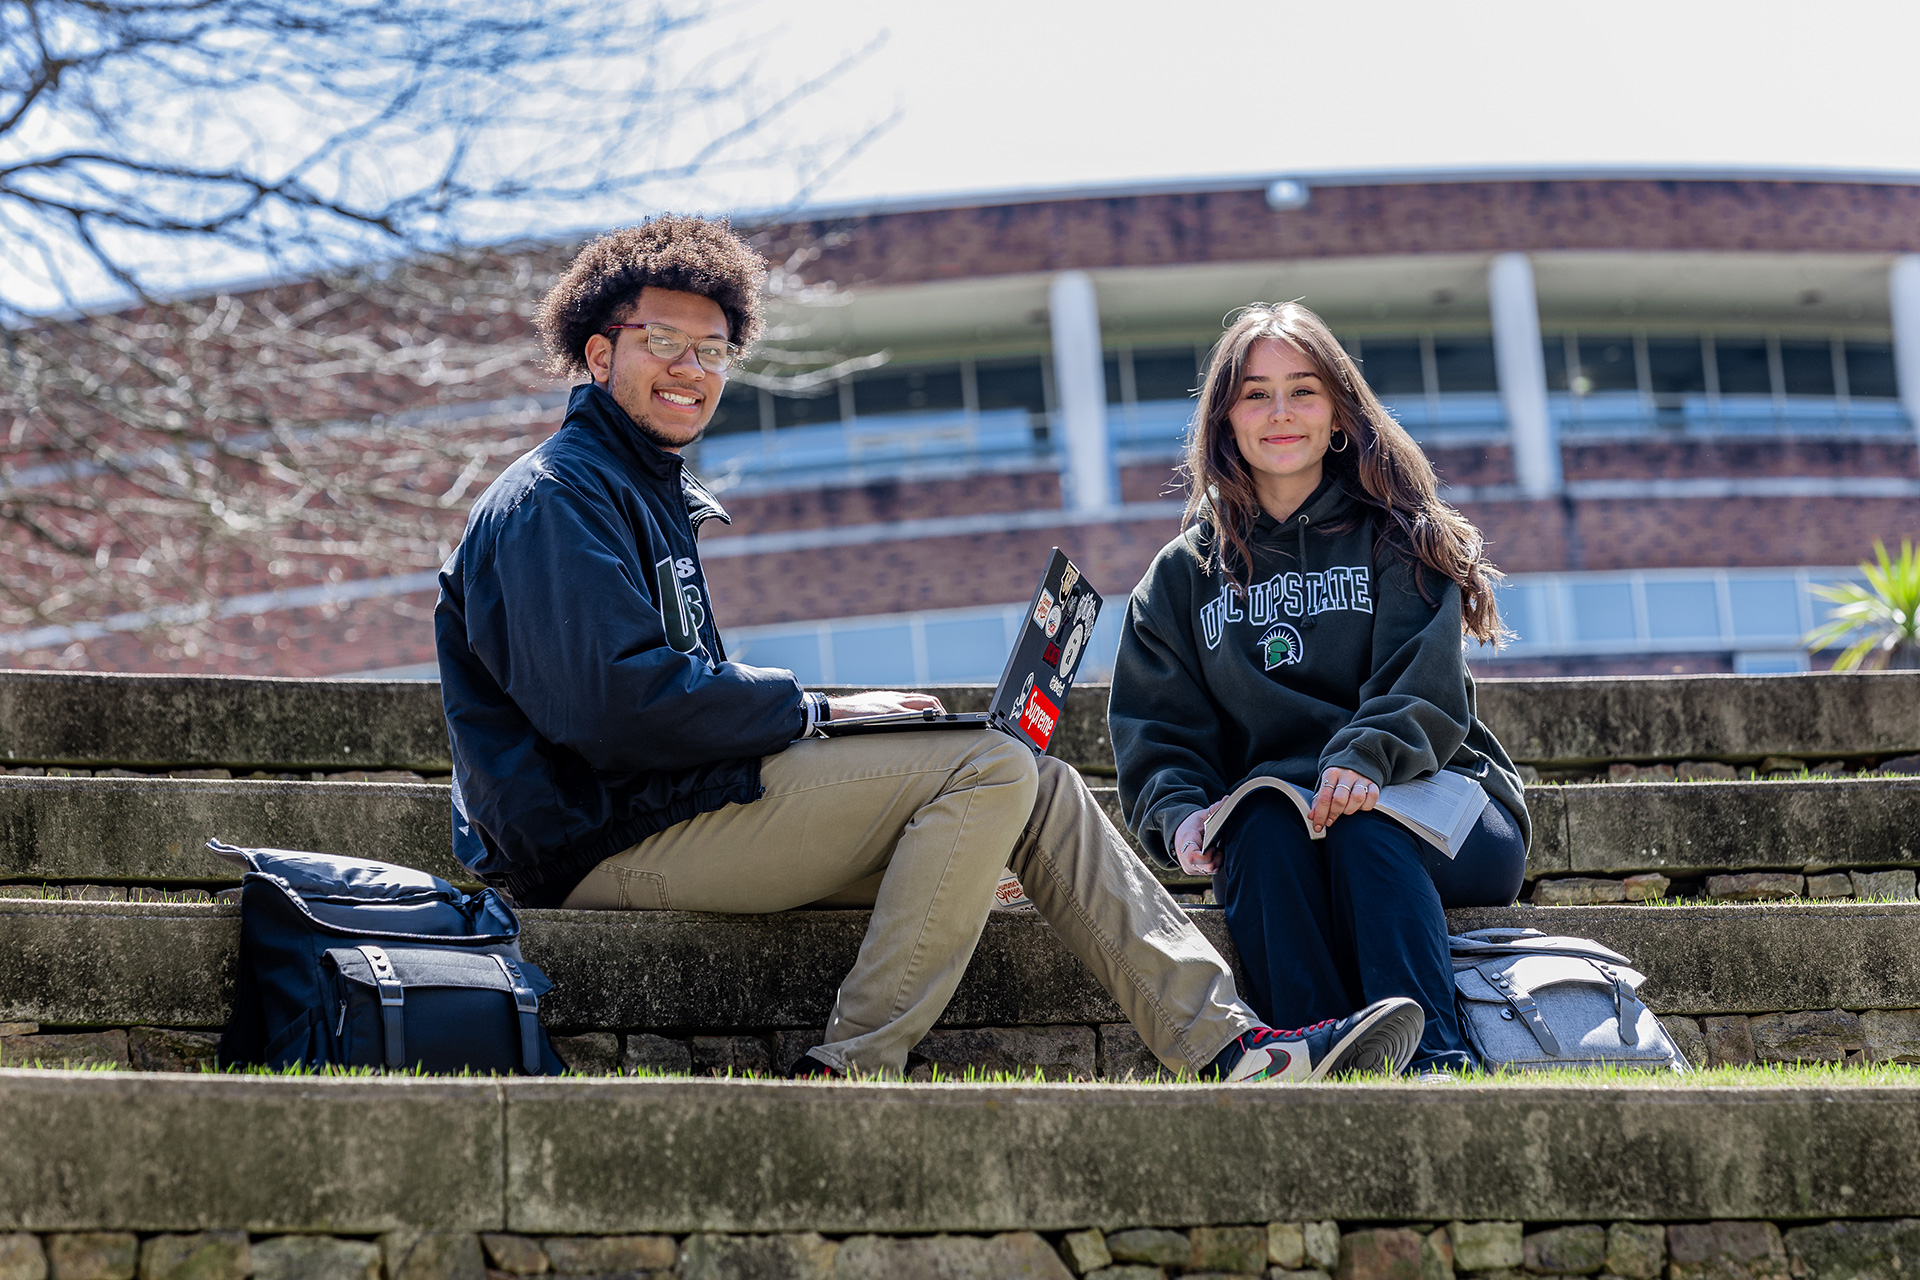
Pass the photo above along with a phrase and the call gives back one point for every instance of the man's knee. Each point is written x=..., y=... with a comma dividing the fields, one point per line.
x=997, y=761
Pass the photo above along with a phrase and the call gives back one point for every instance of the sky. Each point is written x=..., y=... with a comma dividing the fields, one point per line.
x=997, y=95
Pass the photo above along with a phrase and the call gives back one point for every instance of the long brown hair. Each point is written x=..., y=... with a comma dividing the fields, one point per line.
x=1382, y=465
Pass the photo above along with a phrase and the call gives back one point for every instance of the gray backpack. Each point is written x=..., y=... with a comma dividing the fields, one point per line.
x=1529, y=1002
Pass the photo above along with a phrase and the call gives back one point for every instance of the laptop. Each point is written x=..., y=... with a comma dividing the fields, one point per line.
x=1026, y=703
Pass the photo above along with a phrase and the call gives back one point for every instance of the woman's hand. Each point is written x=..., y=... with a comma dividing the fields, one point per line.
x=1188, y=849
x=1341, y=791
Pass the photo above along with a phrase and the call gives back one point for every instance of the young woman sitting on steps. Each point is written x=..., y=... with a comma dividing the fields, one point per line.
x=1308, y=624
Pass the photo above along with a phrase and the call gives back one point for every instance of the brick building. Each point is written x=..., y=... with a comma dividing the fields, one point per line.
x=1673, y=401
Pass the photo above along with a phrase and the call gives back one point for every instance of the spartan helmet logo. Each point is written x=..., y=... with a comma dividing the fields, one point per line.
x=1280, y=646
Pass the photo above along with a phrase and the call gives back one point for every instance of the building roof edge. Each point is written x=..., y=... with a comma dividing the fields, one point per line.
x=938, y=201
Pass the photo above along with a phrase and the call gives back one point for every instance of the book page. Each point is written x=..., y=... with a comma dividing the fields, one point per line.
x=1441, y=809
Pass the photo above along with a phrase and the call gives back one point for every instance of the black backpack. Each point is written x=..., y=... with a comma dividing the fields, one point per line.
x=346, y=962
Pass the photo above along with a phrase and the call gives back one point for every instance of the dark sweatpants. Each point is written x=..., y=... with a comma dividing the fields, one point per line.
x=1325, y=927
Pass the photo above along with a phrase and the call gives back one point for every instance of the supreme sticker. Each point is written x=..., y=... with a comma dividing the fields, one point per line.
x=1038, y=718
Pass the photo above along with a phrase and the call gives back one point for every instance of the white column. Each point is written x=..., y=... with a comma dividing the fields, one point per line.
x=1522, y=371
x=1080, y=391
x=1903, y=292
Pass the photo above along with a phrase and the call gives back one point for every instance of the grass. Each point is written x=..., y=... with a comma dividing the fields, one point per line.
x=1806, y=1075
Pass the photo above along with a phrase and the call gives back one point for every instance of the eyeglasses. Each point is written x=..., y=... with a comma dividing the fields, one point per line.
x=714, y=354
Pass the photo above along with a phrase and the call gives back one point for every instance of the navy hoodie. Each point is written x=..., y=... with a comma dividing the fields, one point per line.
x=589, y=702
x=1333, y=659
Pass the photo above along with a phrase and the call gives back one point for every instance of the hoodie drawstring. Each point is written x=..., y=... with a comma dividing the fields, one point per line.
x=1300, y=554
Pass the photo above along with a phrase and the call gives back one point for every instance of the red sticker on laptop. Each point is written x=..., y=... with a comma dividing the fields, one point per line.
x=1038, y=718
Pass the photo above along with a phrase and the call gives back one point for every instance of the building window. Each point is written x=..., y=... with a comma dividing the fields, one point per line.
x=1464, y=365
x=1870, y=371
x=891, y=391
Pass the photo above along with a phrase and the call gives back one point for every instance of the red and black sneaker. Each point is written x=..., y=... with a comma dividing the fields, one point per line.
x=1381, y=1037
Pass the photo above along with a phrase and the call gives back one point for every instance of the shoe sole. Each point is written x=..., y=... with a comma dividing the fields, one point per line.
x=1384, y=1040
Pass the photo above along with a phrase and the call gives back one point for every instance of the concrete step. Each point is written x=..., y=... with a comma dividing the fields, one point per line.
x=108, y=964
x=150, y=830
x=93, y=1151
x=140, y=721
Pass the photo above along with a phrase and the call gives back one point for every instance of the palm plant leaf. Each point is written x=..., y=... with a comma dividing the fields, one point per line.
x=1880, y=620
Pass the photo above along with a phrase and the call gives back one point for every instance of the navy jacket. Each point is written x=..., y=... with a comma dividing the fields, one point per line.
x=589, y=702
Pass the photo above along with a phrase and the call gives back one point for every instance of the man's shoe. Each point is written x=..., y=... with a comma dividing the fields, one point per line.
x=1382, y=1036
x=809, y=1067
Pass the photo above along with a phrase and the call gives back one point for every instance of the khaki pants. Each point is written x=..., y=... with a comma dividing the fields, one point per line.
x=919, y=826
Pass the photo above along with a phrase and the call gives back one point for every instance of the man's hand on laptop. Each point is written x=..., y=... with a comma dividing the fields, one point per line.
x=881, y=702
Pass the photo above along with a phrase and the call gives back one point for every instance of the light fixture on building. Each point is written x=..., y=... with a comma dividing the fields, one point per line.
x=1288, y=193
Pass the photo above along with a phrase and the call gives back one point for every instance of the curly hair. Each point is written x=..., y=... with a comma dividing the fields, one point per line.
x=687, y=254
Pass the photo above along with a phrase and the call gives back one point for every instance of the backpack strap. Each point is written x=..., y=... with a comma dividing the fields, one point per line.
x=1523, y=1004
x=393, y=1006
x=528, y=1006
x=1626, y=1005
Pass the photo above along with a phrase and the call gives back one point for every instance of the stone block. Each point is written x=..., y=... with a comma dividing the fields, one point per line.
x=1636, y=1250
x=1836, y=884
x=21, y=1257
x=1084, y=1251
x=1150, y=1245
x=1234, y=1249
x=315, y=1258
x=1281, y=1273
x=595, y=1053
x=1704, y=771
x=593, y=1255
x=1323, y=1244
x=1686, y=1036
x=93, y=1255
x=206, y=1255
x=1855, y=1250
x=1901, y=764
x=1823, y=1035
x=1058, y=1053
x=1015, y=1253
x=10, y=1029
x=432, y=1255
x=1436, y=1255
x=1577, y=891
x=1646, y=887
x=1486, y=1246
x=1120, y=1054
x=1128, y=1271
x=731, y=1055
x=1729, y=1041
x=1889, y=886
x=657, y=1055
x=1725, y=1251
x=76, y=1049
x=1565, y=1251
x=1381, y=1253
x=1286, y=1245
x=1755, y=886
x=515, y=1255
x=1893, y=1035
x=160, y=1049
x=800, y=1255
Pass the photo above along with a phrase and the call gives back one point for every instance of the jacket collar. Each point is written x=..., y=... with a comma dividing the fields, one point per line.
x=591, y=409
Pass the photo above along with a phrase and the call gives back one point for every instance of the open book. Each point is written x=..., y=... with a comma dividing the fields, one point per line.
x=1441, y=809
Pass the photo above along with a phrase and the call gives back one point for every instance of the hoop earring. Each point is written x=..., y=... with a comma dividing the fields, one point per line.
x=1345, y=445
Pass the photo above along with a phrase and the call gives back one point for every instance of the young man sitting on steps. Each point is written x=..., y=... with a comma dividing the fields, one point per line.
x=608, y=755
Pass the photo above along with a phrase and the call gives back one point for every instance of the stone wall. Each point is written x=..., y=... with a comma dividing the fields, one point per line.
x=1728, y=1250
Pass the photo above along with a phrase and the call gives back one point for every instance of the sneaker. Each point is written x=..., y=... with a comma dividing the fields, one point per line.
x=1382, y=1036
x=811, y=1068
